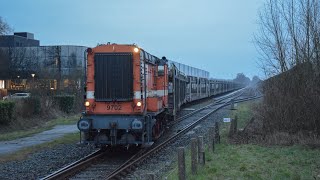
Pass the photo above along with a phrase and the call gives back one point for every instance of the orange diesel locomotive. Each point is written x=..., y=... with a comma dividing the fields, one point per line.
x=130, y=94
x=126, y=96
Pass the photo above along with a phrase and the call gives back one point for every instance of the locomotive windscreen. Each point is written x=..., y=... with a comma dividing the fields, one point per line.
x=113, y=77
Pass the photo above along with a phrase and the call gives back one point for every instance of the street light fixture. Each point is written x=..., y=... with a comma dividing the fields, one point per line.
x=33, y=74
x=16, y=83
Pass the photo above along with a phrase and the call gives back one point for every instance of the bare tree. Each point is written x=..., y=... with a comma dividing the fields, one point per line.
x=4, y=27
x=23, y=62
x=52, y=66
x=288, y=35
x=4, y=63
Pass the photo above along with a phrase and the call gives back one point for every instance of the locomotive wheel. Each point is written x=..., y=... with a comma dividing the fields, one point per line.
x=157, y=130
x=155, y=135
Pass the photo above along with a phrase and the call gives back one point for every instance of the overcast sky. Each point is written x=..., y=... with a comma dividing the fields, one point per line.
x=215, y=35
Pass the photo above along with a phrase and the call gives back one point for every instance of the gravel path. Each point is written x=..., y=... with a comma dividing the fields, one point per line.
x=58, y=131
x=44, y=162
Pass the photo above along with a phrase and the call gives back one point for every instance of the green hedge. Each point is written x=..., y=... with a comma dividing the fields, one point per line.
x=31, y=106
x=6, y=111
x=64, y=102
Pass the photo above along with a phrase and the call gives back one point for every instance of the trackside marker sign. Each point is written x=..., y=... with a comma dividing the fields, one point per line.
x=226, y=119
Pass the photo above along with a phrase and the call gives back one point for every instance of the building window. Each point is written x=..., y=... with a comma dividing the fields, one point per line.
x=66, y=83
x=53, y=84
x=1, y=84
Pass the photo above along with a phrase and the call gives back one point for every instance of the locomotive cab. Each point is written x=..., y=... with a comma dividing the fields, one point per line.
x=126, y=96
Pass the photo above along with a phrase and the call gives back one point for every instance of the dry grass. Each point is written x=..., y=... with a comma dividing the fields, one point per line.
x=254, y=132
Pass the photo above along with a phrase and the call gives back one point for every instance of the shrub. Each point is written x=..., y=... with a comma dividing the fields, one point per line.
x=32, y=106
x=292, y=101
x=6, y=111
x=64, y=102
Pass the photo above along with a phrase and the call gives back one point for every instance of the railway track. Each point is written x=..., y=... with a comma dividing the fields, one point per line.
x=217, y=101
x=106, y=165
x=97, y=165
x=207, y=111
x=72, y=168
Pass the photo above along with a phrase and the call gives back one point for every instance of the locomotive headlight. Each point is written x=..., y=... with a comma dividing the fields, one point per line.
x=136, y=49
x=139, y=104
x=87, y=104
x=84, y=125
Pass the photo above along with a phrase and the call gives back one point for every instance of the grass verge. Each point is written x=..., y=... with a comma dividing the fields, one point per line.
x=49, y=125
x=243, y=112
x=22, y=154
x=248, y=161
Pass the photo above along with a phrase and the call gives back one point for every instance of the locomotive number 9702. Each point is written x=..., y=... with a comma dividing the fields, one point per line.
x=114, y=107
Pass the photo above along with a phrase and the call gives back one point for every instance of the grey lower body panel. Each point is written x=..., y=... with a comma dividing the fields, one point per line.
x=118, y=130
x=106, y=121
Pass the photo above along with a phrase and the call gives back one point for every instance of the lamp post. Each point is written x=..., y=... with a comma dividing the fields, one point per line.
x=33, y=79
x=17, y=82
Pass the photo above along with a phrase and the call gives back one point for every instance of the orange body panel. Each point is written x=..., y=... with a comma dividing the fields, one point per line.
x=154, y=104
x=155, y=85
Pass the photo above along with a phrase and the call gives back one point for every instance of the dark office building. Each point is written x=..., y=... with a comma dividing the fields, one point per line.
x=25, y=65
x=19, y=39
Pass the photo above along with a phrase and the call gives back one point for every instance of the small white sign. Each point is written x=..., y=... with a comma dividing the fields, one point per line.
x=226, y=119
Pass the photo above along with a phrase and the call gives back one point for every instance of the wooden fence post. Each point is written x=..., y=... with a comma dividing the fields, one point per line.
x=201, y=150
x=211, y=138
x=217, y=132
x=181, y=164
x=150, y=176
x=194, y=155
x=235, y=124
x=231, y=128
x=232, y=105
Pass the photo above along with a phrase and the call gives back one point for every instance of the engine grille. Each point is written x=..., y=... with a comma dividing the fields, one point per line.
x=113, y=77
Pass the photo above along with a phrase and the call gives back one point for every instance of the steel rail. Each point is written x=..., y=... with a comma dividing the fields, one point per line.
x=76, y=166
x=132, y=165
x=70, y=169
x=218, y=102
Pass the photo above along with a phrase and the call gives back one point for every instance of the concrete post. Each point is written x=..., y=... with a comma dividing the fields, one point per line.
x=194, y=156
x=181, y=164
